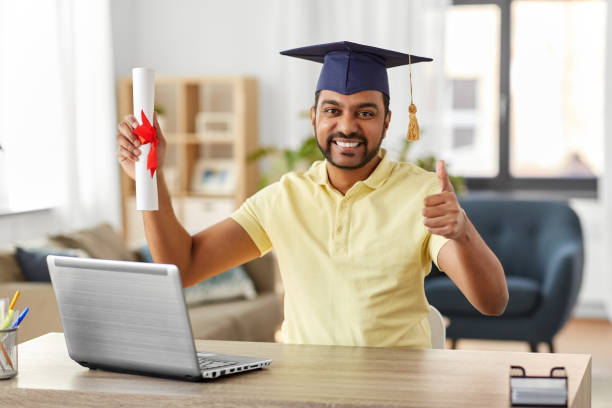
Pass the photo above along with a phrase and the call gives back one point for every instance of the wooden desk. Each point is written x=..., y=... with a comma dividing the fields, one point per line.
x=300, y=376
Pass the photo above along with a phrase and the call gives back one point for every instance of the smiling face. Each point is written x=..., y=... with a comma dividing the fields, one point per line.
x=350, y=128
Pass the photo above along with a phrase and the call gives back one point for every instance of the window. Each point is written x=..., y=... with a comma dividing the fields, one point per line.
x=528, y=98
x=556, y=88
x=29, y=107
x=472, y=67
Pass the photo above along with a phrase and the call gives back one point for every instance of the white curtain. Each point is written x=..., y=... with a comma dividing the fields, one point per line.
x=415, y=26
x=605, y=183
x=89, y=116
x=57, y=111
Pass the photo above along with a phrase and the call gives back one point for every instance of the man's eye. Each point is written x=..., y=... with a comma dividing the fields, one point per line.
x=331, y=111
x=366, y=114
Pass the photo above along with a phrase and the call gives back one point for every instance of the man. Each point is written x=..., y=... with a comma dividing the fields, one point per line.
x=355, y=235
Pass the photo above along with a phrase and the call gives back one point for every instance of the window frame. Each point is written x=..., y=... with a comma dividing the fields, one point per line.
x=504, y=181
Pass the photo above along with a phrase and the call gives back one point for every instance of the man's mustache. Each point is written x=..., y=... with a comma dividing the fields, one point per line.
x=339, y=135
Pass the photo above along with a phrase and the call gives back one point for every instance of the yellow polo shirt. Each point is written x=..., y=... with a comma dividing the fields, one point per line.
x=352, y=265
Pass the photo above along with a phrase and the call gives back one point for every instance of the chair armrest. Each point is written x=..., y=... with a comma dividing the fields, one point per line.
x=563, y=275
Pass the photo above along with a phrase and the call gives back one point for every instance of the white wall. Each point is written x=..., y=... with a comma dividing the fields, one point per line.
x=606, y=182
x=29, y=225
x=594, y=292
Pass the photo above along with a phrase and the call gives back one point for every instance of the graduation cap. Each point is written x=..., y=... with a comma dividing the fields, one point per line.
x=350, y=67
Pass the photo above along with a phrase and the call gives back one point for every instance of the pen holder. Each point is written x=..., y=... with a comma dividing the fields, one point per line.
x=8, y=353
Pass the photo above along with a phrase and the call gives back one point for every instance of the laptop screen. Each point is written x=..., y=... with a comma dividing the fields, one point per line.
x=125, y=315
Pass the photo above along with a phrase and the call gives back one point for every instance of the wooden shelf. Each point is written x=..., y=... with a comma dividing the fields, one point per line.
x=206, y=195
x=193, y=138
x=194, y=105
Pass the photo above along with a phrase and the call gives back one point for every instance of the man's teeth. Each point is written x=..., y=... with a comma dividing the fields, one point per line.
x=347, y=144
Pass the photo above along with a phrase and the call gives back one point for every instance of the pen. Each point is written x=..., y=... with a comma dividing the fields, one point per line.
x=6, y=356
x=20, y=318
x=15, y=297
x=6, y=323
x=7, y=319
x=11, y=312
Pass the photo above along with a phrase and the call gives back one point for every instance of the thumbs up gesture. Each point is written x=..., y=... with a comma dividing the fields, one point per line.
x=443, y=215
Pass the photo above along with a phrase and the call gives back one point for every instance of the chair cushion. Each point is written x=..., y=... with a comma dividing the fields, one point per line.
x=33, y=261
x=239, y=320
x=448, y=299
x=100, y=241
x=231, y=284
x=9, y=268
x=524, y=234
x=263, y=272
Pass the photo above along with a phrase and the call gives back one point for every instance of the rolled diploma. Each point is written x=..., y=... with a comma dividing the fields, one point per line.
x=143, y=82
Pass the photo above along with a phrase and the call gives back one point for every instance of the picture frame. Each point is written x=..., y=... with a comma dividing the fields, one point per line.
x=214, y=126
x=214, y=177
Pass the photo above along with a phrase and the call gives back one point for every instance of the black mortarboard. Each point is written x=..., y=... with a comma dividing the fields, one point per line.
x=349, y=67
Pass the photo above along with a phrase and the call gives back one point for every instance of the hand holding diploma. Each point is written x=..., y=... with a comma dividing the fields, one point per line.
x=442, y=212
x=143, y=83
x=146, y=163
x=129, y=145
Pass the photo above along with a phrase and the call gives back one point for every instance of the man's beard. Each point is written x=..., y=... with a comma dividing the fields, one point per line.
x=370, y=154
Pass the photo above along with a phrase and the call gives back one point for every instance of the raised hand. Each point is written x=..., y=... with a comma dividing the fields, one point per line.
x=128, y=144
x=442, y=212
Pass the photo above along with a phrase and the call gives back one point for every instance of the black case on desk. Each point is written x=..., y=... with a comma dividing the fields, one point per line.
x=519, y=372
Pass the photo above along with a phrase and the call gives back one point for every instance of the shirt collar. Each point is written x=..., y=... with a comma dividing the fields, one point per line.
x=318, y=172
x=381, y=173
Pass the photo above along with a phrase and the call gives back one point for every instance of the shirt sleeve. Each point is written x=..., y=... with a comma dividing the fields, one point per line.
x=251, y=216
x=435, y=242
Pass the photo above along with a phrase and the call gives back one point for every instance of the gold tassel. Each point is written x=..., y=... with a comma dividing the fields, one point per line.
x=413, y=124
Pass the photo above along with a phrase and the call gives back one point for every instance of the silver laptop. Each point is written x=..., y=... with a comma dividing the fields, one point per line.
x=131, y=317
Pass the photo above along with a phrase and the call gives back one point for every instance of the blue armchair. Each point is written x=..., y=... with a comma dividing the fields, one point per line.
x=540, y=246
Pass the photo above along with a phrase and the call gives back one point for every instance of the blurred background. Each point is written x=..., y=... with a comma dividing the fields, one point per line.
x=517, y=101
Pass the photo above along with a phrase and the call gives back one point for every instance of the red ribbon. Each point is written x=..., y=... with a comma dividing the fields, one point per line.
x=146, y=134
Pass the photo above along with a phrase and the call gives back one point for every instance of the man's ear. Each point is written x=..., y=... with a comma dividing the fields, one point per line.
x=386, y=124
x=313, y=115
x=387, y=120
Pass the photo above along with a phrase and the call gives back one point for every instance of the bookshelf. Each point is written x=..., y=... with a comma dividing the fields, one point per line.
x=211, y=126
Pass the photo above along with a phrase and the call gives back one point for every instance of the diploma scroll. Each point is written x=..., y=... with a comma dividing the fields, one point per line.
x=143, y=82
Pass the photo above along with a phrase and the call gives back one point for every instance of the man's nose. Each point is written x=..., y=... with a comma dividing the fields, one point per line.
x=347, y=124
